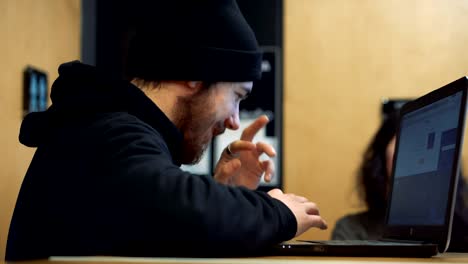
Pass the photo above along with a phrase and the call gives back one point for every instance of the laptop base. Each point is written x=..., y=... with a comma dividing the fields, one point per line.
x=348, y=249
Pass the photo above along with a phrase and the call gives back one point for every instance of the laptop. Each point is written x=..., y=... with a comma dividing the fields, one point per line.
x=423, y=183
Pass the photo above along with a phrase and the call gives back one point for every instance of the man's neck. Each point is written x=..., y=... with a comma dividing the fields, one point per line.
x=161, y=94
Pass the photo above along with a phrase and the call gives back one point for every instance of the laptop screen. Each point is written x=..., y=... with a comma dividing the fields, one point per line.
x=424, y=163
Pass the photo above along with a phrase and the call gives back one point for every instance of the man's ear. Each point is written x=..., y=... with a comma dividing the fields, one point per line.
x=190, y=87
x=194, y=85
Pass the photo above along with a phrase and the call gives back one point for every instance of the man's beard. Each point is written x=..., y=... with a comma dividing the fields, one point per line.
x=196, y=121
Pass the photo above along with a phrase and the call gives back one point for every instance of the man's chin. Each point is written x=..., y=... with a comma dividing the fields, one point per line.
x=194, y=161
x=196, y=155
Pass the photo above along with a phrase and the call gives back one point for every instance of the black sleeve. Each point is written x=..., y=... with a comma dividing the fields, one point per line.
x=167, y=211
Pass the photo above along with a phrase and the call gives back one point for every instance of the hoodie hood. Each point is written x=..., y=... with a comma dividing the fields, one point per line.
x=79, y=90
x=82, y=91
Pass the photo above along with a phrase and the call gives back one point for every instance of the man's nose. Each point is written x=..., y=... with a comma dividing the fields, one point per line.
x=233, y=121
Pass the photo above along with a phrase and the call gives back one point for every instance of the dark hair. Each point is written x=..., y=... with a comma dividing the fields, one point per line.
x=141, y=82
x=372, y=174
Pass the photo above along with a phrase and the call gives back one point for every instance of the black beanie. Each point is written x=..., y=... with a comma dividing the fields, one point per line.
x=197, y=40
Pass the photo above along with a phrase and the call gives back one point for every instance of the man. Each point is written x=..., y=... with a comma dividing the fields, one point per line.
x=105, y=179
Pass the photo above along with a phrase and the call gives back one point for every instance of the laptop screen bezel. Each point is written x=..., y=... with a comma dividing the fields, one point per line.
x=437, y=234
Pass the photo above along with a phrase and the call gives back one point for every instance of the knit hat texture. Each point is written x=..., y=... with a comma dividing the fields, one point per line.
x=198, y=40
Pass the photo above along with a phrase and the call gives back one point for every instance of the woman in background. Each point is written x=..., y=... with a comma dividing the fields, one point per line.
x=373, y=187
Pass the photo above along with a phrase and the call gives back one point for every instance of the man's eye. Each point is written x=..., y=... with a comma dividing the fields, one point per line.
x=241, y=96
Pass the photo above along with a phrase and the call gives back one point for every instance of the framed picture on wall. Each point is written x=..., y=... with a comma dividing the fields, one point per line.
x=35, y=90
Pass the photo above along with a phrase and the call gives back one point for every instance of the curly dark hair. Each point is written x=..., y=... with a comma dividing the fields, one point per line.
x=372, y=174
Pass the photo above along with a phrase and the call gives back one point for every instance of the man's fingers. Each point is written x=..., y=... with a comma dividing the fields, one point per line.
x=268, y=149
x=317, y=221
x=312, y=209
x=314, y=216
x=269, y=169
x=250, y=132
x=238, y=146
x=225, y=172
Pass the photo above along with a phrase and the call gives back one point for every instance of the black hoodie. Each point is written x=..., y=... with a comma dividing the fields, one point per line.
x=105, y=180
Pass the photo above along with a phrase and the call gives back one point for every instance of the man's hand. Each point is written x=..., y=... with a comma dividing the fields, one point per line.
x=239, y=164
x=306, y=212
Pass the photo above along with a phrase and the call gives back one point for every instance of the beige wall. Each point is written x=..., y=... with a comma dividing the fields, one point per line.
x=341, y=58
x=42, y=33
